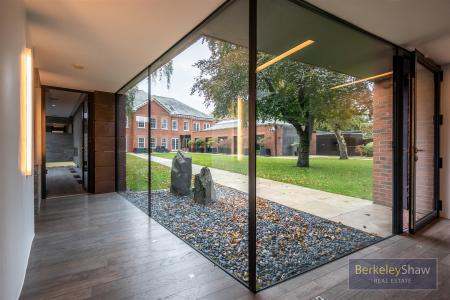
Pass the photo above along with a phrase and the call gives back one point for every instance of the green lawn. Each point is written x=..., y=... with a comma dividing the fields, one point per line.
x=137, y=174
x=351, y=177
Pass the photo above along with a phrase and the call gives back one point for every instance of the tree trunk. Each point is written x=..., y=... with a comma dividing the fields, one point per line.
x=303, y=149
x=343, y=153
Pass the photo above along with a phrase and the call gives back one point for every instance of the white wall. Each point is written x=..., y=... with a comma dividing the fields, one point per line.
x=445, y=143
x=16, y=191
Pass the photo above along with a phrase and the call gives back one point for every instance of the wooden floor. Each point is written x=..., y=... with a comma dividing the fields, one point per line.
x=61, y=182
x=102, y=247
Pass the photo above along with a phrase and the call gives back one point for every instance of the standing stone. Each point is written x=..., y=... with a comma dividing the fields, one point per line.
x=181, y=175
x=204, y=191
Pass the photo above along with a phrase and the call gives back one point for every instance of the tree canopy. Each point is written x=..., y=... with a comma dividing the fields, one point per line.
x=288, y=91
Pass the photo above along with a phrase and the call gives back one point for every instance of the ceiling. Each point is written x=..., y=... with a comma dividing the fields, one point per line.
x=114, y=39
x=421, y=24
x=63, y=104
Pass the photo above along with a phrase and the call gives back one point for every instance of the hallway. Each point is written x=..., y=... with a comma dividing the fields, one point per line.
x=102, y=247
x=64, y=181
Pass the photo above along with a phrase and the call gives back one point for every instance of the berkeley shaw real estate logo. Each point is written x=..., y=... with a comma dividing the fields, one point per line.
x=402, y=273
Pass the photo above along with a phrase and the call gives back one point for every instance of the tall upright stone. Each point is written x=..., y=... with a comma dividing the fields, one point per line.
x=181, y=175
x=204, y=191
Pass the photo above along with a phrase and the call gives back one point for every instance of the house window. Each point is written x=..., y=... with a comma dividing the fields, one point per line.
x=174, y=125
x=164, y=142
x=141, y=121
x=153, y=123
x=186, y=126
x=141, y=142
x=153, y=143
x=206, y=125
x=164, y=124
x=196, y=126
x=175, y=143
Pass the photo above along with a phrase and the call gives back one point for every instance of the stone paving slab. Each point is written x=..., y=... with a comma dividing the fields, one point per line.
x=355, y=212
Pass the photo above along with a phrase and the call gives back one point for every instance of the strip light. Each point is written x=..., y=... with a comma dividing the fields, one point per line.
x=362, y=80
x=284, y=55
x=26, y=113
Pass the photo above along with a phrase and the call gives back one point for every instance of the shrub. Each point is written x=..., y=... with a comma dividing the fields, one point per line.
x=368, y=149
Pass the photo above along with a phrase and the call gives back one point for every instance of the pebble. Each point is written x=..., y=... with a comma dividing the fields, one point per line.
x=289, y=241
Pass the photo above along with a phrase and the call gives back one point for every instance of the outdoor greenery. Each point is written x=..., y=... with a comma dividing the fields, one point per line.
x=137, y=174
x=289, y=91
x=346, y=177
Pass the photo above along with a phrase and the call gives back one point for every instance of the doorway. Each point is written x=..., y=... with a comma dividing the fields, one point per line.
x=425, y=120
x=66, y=142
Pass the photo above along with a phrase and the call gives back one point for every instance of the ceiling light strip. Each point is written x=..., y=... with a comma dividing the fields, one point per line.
x=284, y=55
x=362, y=80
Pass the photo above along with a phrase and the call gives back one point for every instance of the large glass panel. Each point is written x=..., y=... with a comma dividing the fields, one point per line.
x=133, y=142
x=424, y=142
x=199, y=141
x=324, y=140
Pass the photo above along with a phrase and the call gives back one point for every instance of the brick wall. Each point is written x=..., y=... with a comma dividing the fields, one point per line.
x=424, y=141
x=382, y=142
x=158, y=133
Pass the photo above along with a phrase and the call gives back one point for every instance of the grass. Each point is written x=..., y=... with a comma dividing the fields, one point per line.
x=351, y=177
x=60, y=164
x=137, y=174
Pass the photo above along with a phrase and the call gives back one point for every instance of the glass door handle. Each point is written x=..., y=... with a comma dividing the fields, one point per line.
x=416, y=150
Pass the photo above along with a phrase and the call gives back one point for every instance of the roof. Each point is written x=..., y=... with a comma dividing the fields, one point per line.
x=171, y=105
x=175, y=107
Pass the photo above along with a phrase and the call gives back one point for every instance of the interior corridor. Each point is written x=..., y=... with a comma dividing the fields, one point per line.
x=63, y=181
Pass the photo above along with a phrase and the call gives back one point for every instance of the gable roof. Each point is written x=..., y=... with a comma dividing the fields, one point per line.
x=171, y=105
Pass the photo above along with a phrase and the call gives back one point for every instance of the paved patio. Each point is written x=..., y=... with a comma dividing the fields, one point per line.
x=354, y=212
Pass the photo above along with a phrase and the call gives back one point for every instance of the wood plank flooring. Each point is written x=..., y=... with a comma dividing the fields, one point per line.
x=102, y=247
x=61, y=182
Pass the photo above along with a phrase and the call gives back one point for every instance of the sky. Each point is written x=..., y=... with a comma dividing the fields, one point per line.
x=182, y=78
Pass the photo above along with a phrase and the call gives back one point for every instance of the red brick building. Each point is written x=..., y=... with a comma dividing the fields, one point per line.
x=172, y=124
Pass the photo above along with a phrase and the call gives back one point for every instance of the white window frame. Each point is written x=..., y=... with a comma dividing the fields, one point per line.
x=153, y=143
x=186, y=128
x=140, y=121
x=164, y=121
x=177, y=144
x=139, y=142
x=164, y=142
x=127, y=125
x=151, y=123
x=176, y=126
x=206, y=125
x=196, y=126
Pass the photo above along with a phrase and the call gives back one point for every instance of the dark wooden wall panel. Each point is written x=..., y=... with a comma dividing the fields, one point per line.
x=104, y=141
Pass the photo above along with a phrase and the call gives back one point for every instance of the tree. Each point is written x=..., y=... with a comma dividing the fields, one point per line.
x=287, y=91
x=213, y=143
x=165, y=72
x=351, y=103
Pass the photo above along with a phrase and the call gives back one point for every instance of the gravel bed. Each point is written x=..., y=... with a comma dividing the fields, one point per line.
x=289, y=241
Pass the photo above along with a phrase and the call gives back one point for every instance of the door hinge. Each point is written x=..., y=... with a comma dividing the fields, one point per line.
x=440, y=162
x=441, y=76
x=439, y=205
x=441, y=119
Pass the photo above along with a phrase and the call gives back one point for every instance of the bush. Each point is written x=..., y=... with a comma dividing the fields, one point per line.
x=368, y=149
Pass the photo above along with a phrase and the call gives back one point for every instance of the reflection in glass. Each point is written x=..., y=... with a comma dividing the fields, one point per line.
x=199, y=140
x=424, y=142
x=324, y=110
